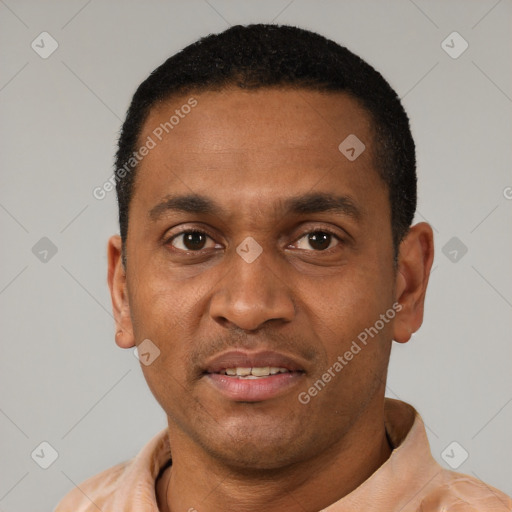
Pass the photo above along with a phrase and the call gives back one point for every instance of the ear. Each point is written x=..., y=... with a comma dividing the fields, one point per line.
x=118, y=293
x=415, y=257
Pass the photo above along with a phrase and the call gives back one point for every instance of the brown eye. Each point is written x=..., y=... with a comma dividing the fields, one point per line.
x=317, y=241
x=191, y=241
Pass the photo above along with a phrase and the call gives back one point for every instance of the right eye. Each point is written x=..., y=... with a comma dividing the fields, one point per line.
x=191, y=240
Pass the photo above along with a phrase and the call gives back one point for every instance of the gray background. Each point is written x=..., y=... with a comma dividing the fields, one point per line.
x=62, y=377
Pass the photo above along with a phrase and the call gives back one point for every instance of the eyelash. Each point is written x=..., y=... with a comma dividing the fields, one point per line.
x=201, y=231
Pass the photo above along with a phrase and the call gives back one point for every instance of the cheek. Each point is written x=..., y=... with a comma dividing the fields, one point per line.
x=161, y=318
x=350, y=301
x=158, y=305
x=162, y=313
x=346, y=315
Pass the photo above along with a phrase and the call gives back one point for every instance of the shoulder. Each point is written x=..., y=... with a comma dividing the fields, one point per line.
x=94, y=492
x=124, y=486
x=463, y=493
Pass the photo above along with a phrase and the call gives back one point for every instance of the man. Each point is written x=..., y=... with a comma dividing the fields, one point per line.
x=266, y=186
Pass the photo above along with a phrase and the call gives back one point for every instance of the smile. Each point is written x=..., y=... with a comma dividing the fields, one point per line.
x=245, y=376
x=253, y=373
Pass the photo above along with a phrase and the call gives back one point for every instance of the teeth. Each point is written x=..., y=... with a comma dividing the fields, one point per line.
x=260, y=372
x=254, y=373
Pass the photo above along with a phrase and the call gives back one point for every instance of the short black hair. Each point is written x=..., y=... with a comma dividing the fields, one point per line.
x=264, y=56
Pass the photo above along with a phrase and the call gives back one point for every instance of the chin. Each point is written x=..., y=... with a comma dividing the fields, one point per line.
x=258, y=447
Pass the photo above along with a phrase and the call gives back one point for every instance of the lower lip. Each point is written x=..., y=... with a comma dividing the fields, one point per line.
x=254, y=390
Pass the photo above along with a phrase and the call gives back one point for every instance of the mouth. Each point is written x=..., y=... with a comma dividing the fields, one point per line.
x=242, y=372
x=253, y=376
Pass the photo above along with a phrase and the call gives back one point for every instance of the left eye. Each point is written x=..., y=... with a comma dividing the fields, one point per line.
x=318, y=241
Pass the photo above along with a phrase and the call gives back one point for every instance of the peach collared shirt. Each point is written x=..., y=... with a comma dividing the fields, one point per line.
x=409, y=481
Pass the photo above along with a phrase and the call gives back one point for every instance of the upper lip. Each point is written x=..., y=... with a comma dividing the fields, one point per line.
x=246, y=359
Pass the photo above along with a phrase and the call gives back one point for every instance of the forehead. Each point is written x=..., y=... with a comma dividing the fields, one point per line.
x=252, y=145
x=234, y=119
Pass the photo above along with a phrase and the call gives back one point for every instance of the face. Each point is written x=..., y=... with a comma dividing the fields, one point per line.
x=254, y=242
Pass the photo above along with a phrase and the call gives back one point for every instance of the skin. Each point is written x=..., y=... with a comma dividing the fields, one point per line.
x=249, y=151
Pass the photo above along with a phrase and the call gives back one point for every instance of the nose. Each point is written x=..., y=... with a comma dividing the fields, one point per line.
x=251, y=294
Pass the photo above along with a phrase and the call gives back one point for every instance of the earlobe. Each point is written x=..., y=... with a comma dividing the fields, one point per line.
x=416, y=254
x=119, y=295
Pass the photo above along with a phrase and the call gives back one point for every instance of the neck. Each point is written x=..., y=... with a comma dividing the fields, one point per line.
x=196, y=481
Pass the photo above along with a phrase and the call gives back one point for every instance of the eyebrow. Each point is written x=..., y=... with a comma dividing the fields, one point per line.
x=316, y=202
